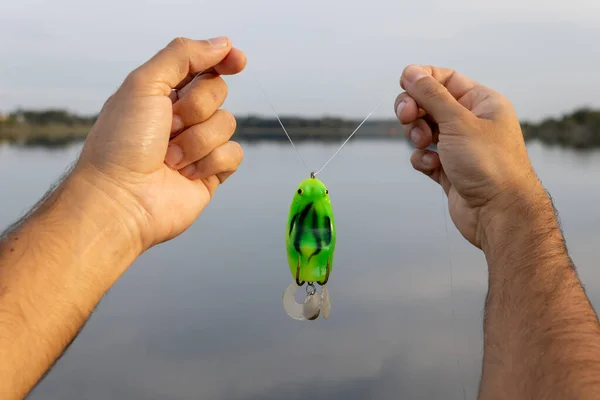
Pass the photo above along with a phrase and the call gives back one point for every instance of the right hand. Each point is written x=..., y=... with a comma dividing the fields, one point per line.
x=482, y=161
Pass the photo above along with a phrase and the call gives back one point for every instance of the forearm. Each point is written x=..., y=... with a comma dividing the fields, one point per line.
x=54, y=269
x=541, y=335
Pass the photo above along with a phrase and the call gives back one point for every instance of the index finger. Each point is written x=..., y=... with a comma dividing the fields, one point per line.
x=233, y=63
x=457, y=84
x=180, y=58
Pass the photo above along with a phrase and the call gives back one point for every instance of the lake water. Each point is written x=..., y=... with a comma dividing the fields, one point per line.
x=201, y=316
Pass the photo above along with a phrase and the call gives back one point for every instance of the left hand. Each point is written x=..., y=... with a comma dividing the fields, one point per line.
x=162, y=185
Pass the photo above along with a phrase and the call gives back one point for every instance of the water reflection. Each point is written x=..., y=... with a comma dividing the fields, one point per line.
x=201, y=316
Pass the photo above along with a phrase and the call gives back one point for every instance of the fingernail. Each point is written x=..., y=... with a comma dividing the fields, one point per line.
x=427, y=159
x=400, y=108
x=176, y=124
x=188, y=171
x=174, y=155
x=413, y=73
x=416, y=134
x=219, y=41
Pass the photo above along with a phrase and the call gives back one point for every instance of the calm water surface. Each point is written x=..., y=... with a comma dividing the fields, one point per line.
x=201, y=316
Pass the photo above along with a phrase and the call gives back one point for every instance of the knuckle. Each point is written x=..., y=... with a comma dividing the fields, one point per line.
x=222, y=85
x=107, y=102
x=178, y=43
x=228, y=120
x=457, y=126
x=202, y=111
x=506, y=103
x=238, y=152
x=214, y=95
x=221, y=157
x=433, y=70
x=229, y=156
x=431, y=90
x=135, y=79
x=217, y=90
x=199, y=140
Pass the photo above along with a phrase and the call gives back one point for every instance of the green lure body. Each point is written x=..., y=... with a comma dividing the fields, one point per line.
x=310, y=233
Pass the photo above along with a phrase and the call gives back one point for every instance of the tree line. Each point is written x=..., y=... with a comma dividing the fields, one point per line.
x=577, y=129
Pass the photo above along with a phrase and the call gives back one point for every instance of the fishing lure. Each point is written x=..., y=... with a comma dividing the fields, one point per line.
x=310, y=242
x=310, y=237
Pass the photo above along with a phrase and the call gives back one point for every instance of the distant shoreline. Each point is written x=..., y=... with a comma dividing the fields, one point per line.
x=57, y=135
x=59, y=128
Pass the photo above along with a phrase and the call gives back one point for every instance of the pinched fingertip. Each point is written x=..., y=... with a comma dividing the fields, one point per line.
x=425, y=161
x=406, y=109
x=233, y=63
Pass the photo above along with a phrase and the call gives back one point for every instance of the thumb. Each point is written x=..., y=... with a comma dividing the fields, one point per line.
x=172, y=64
x=431, y=95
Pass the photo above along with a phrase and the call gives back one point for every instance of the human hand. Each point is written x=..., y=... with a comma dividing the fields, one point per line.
x=481, y=159
x=162, y=185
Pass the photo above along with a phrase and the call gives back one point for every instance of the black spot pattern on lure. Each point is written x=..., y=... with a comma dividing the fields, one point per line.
x=292, y=224
x=301, y=221
x=327, y=236
x=316, y=233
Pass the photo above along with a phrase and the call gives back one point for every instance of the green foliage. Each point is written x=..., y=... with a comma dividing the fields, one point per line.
x=48, y=117
x=579, y=129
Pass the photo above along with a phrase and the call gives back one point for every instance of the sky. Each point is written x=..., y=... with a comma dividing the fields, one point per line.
x=313, y=58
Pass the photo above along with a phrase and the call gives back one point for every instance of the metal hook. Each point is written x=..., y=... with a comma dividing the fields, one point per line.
x=326, y=275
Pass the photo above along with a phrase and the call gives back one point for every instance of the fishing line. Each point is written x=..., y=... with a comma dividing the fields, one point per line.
x=449, y=255
x=290, y=139
x=280, y=123
x=352, y=134
x=274, y=112
x=285, y=130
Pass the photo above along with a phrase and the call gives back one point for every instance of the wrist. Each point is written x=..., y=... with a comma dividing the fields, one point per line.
x=524, y=217
x=91, y=221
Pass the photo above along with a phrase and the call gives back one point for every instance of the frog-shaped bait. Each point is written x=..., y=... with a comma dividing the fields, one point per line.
x=310, y=243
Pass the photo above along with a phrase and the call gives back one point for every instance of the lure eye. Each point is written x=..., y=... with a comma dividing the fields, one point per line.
x=300, y=191
x=326, y=191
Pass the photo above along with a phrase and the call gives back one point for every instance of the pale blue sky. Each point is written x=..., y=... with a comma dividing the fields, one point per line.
x=313, y=57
